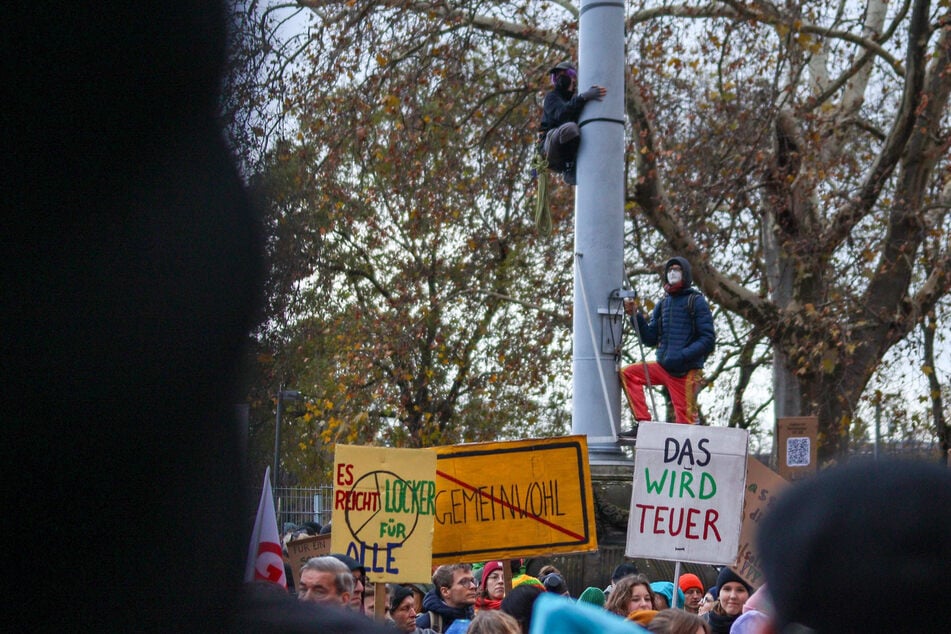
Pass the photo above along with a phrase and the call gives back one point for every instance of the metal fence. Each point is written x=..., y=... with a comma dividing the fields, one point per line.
x=297, y=505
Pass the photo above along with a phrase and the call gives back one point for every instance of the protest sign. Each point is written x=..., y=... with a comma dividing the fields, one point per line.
x=796, y=446
x=762, y=487
x=513, y=499
x=383, y=510
x=300, y=550
x=687, y=497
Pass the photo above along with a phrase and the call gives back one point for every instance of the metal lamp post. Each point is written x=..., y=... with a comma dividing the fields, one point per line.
x=282, y=395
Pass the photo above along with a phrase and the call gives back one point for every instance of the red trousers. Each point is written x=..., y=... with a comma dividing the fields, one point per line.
x=682, y=389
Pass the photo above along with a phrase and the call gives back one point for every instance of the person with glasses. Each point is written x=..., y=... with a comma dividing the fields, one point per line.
x=452, y=598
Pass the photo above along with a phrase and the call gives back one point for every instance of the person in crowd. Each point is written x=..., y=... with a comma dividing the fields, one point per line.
x=674, y=621
x=592, y=595
x=620, y=571
x=453, y=596
x=867, y=524
x=546, y=570
x=268, y=609
x=359, y=573
x=630, y=594
x=559, y=135
x=520, y=576
x=706, y=603
x=681, y=328
x=554, y=582
x=732, y=593
x=494, y=622
x=519, y=603
x=491, y=587
x=369, y=600
x=664, y=595
x=692, y=588
x=132, y=280
x=402, y=610
x=325, y=580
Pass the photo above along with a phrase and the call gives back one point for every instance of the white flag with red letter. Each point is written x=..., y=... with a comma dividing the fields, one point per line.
x=265, y=556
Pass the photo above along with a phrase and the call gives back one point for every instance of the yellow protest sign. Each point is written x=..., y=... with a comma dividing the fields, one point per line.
x=383, y=510
x=511, y=499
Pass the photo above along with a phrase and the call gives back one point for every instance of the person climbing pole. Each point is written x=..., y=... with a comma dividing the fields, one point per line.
x=559, y=134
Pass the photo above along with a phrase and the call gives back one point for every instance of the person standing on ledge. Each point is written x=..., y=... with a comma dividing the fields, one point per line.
x=559, y=135
x=681, y=327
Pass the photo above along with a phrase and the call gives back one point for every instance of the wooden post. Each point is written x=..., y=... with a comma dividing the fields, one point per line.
x=379, y=601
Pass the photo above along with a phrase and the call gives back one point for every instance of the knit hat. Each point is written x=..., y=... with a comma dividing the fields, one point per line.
x=352, y=564
x=555, y=583
x=688, y=581
x=592, y=595
x=666, y=589
x=488, y=569
x=828, y=536
x=727, y=575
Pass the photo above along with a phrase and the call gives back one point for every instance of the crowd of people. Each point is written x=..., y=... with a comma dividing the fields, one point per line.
x=850, y=522
x=477, y=599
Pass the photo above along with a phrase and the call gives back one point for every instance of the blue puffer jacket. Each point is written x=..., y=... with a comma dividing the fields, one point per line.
x=682, y=344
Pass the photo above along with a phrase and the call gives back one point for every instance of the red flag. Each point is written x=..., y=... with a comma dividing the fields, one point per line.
x=265, y=556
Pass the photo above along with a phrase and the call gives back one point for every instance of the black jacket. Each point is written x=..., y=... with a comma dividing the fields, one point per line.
x=561, y=106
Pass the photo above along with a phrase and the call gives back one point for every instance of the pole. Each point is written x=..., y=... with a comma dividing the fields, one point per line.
x=673, y=594
x=277, y=438
x=599, y=226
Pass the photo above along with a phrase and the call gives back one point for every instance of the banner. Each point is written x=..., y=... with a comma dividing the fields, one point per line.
x=265, y=558
x=513, y=499
x=384, y=503
x=300, y=550
x=762, y=487
x=687, y=496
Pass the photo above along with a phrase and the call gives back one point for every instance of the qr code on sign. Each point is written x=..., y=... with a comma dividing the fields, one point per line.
x=797, y=452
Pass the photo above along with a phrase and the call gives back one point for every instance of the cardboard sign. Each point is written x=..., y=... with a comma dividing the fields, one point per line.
x=762, y=488
x=687, y=498
x=797, y=447
x=300, y=550
x=506, y=500
x=383, y=510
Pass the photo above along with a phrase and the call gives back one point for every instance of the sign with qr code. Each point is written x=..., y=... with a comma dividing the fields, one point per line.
x=687, y=497
x=796, y=446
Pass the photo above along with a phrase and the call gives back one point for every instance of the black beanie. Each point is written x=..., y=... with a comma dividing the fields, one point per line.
x=864, y=528
x=727, y=575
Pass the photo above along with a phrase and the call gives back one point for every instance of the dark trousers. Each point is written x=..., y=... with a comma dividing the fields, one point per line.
x=561, y=145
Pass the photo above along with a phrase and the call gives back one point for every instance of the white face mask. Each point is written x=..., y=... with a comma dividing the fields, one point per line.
x=674, y=276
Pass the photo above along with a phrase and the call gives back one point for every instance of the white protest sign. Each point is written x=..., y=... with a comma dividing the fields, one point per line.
x=687, y=498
